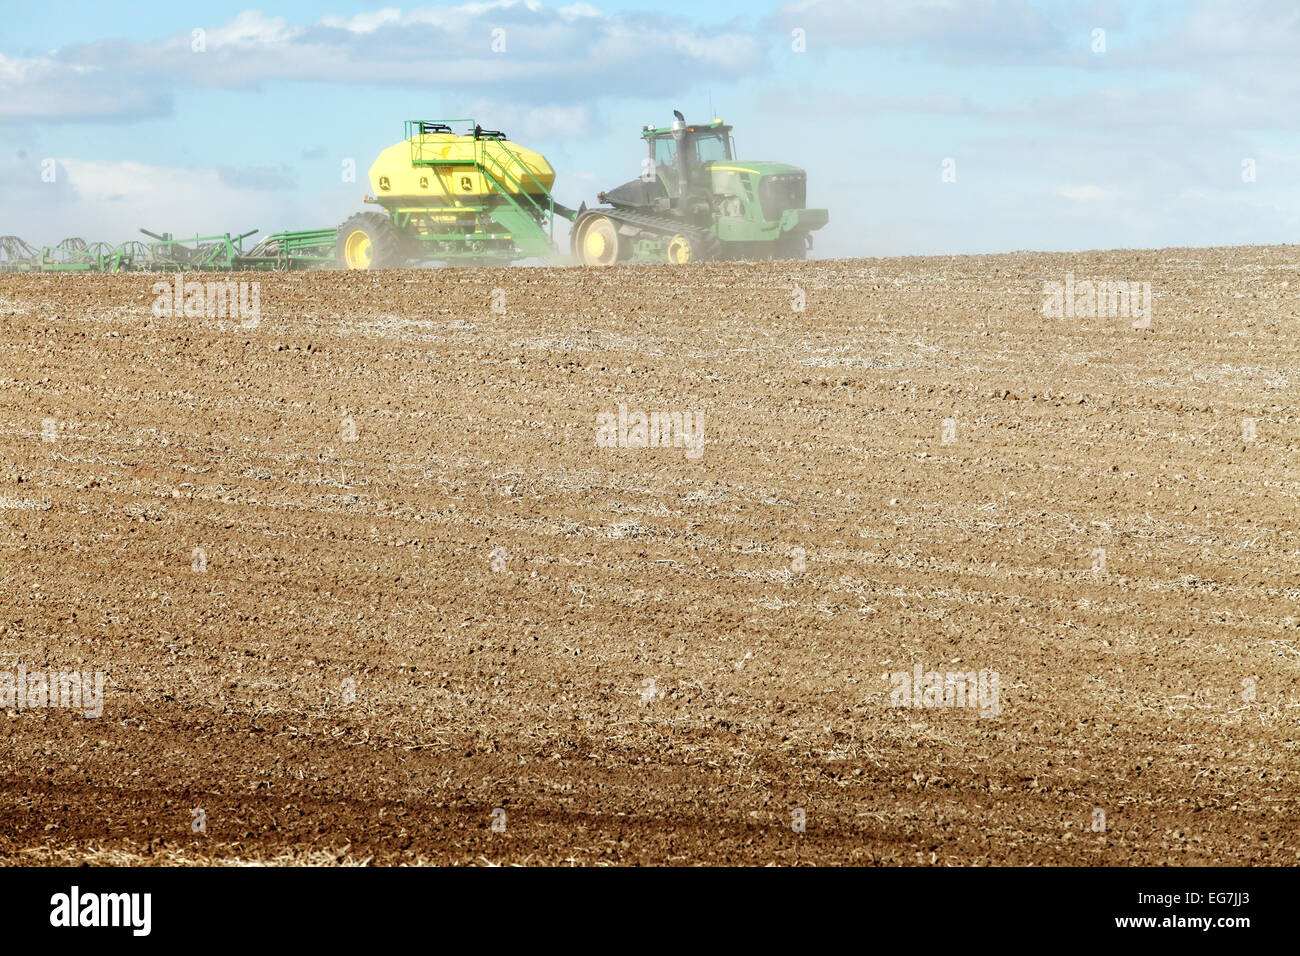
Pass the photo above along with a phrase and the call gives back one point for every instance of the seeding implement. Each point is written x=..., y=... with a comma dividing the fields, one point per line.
x=283, y=250
x=473, y=197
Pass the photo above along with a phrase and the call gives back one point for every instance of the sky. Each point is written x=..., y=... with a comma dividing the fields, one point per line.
x=925, y=126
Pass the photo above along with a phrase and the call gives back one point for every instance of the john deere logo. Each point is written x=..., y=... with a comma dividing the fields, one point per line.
x=383, y=183
x=465, y=184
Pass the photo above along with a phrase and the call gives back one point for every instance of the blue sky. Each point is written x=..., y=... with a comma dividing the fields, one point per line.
x=1055, y=144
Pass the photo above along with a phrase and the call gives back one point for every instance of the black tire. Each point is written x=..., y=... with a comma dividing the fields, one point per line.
x=387, y=247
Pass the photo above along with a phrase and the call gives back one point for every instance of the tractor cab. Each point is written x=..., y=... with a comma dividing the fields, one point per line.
x=679, y=152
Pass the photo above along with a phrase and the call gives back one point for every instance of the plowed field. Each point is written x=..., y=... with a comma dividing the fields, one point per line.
x=365, y=581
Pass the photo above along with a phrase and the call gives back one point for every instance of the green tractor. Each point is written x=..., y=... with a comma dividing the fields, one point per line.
x=695, y=201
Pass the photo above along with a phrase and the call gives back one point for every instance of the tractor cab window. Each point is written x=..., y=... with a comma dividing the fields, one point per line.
x=711, y=148
x=666, y=151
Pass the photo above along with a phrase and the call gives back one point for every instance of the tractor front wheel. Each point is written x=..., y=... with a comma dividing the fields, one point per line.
x=369, y=240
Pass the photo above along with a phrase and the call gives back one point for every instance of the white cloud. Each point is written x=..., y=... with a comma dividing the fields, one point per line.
x=252, y=28
x=367, y=22
x=1242, y=28
x=576, y=11
x=104, y=182
x=45, y=88
x=533, y=124
x=973, y=29
x=1088, y=193
x=550, y=56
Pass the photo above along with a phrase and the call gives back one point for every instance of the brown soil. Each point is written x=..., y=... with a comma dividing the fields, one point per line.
x=651, y=678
